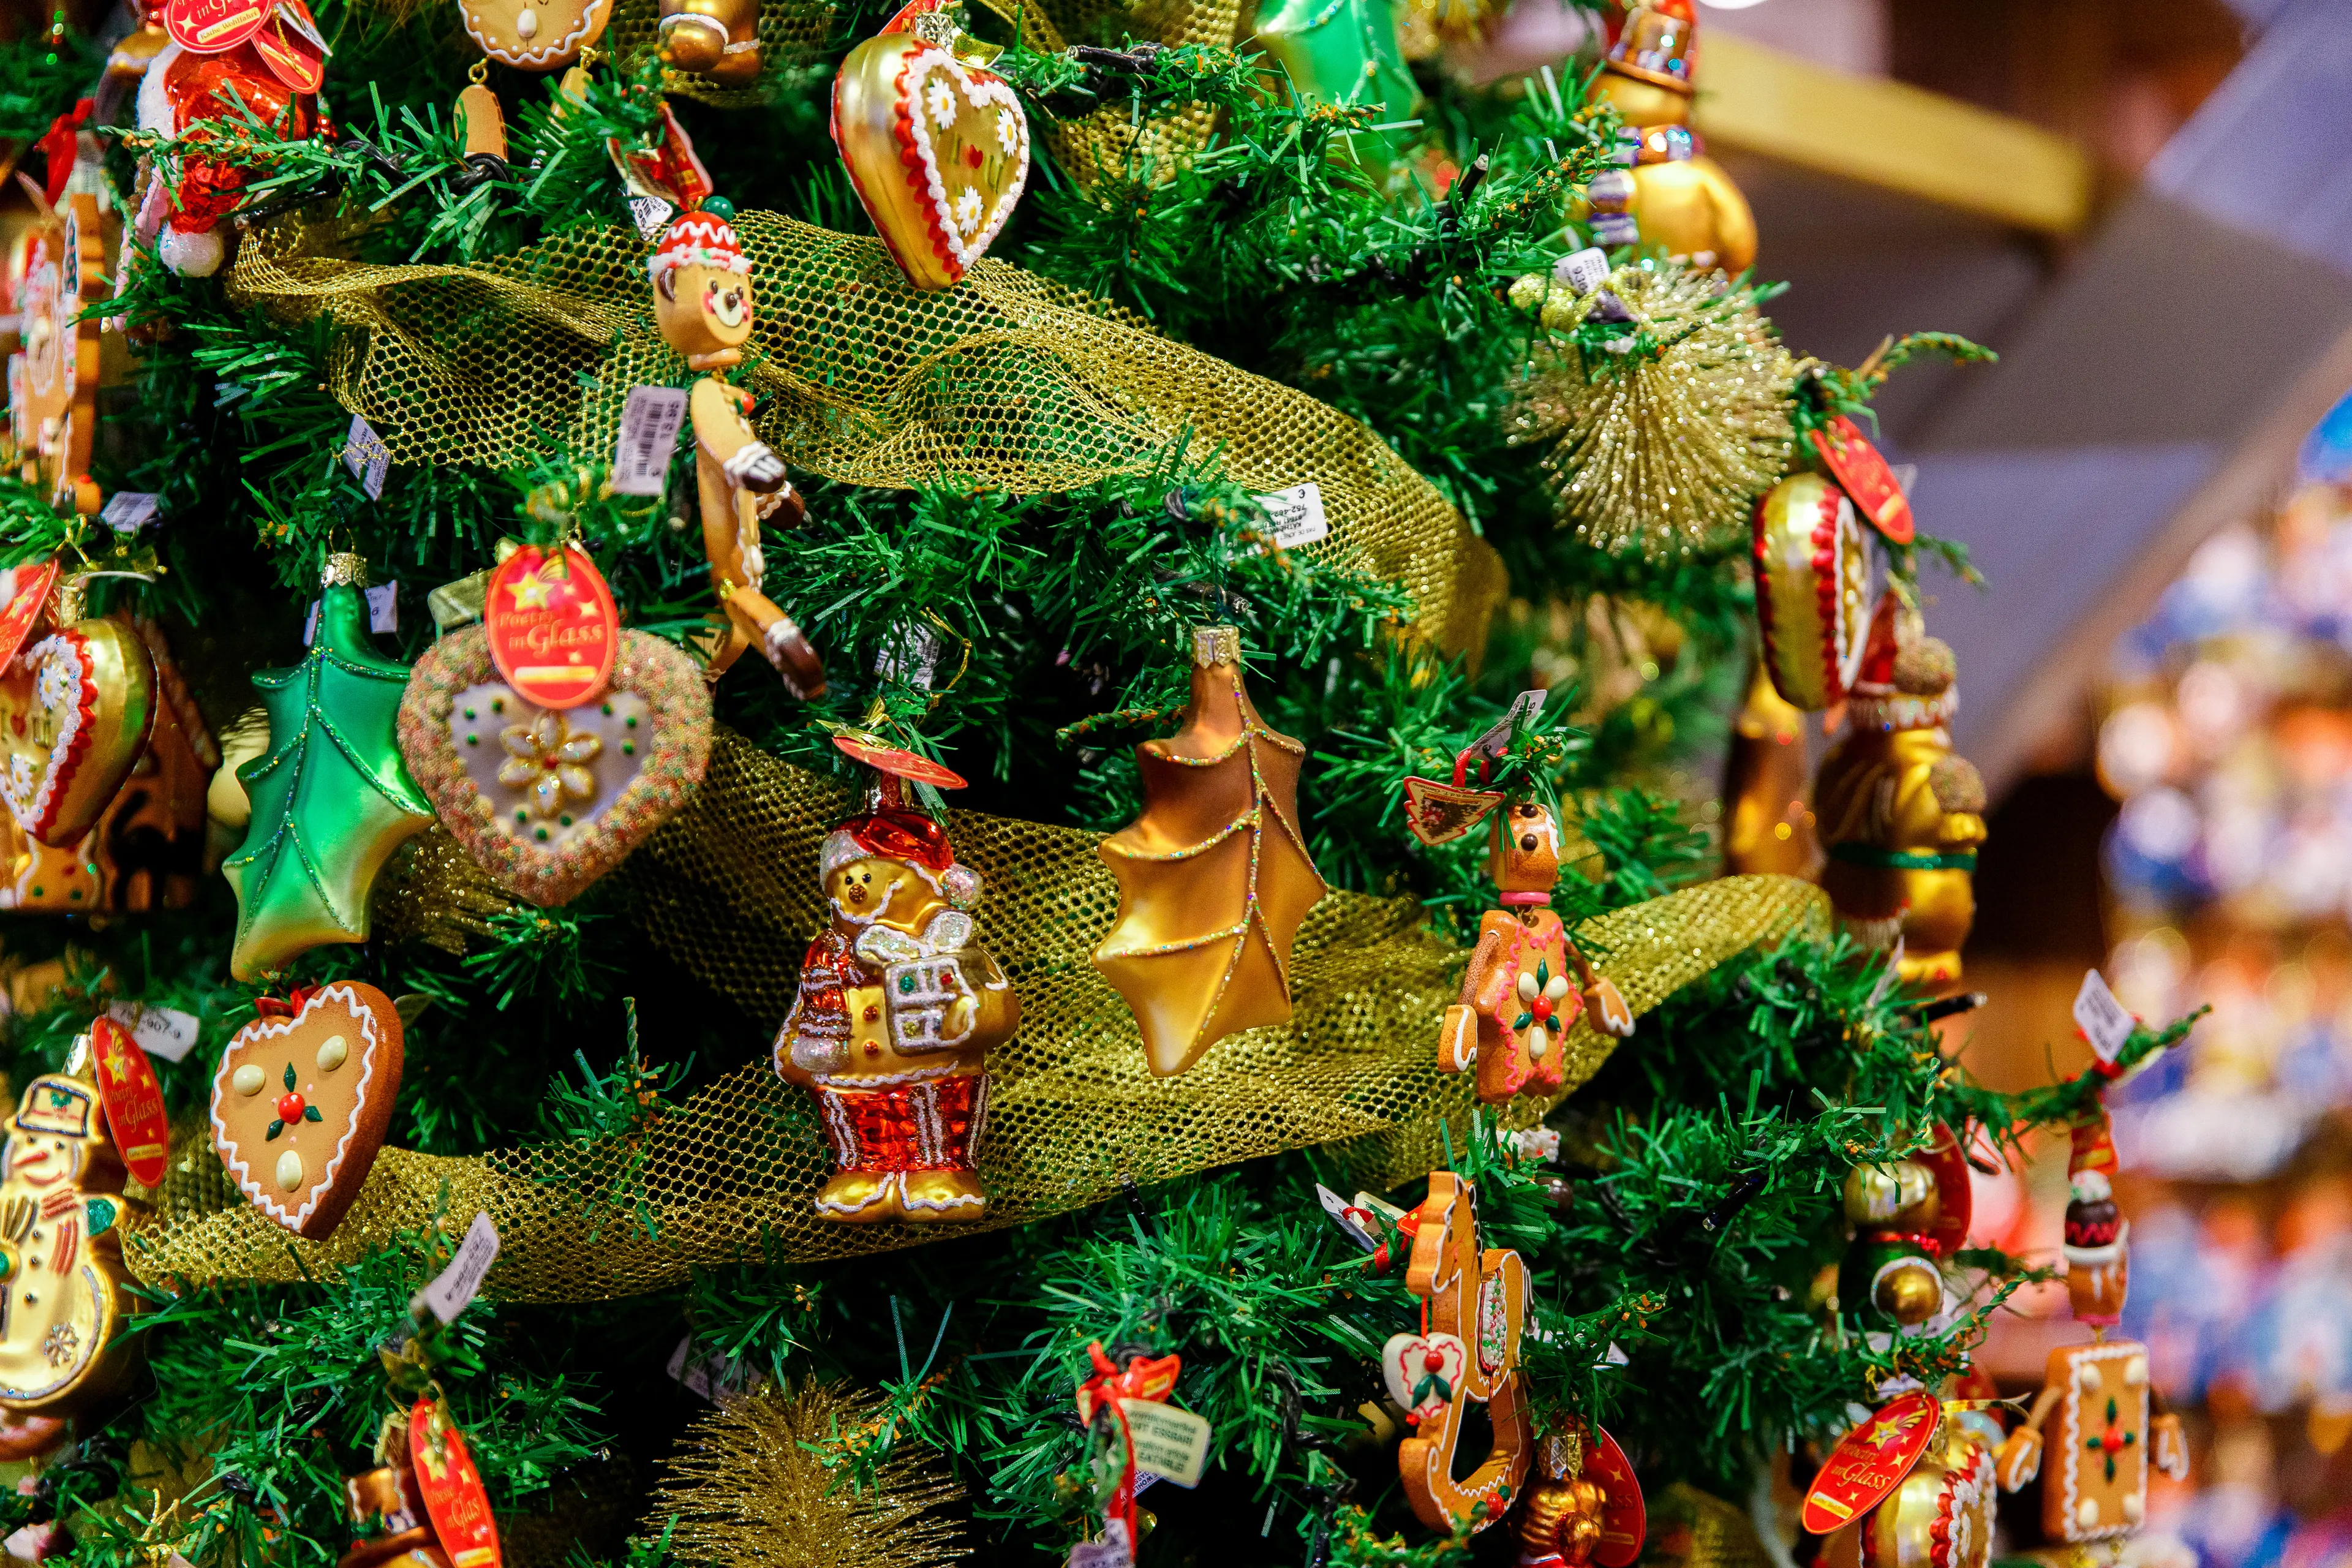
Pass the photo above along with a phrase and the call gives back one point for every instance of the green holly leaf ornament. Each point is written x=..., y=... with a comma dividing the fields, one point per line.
x=332, y=799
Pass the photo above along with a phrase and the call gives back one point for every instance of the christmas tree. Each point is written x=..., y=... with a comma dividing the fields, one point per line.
x=1183, y=956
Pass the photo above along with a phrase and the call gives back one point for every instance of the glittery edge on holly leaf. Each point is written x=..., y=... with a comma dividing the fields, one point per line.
x=673, y=691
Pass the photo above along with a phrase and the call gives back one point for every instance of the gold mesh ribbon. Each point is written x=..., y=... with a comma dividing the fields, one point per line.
x=1008, y=380
x=728, y=888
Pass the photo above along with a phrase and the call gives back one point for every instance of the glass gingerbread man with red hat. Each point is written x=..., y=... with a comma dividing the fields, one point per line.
x=897, y=1010
x=702, y=305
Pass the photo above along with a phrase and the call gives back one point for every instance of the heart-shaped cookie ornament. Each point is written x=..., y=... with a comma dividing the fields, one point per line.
x=302, y=1099
x=938, y=149
x=1423, y=1372
x=535, y=35
x=547, y=800
x=75, y=710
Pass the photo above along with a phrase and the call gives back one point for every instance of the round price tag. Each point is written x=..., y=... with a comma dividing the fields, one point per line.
x=290, y=45
x=552, y=625
x=133, y=1102
x=453, y=1498
x=1862, y=474
x=1871, y=1462
x=209, y=27
x=1624, y=1517
x=891, y=760
x=24, y=595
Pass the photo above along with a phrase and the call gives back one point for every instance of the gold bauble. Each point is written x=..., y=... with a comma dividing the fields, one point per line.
x=1880, y=1195
x=1941, y=1514
x=1908, y=1291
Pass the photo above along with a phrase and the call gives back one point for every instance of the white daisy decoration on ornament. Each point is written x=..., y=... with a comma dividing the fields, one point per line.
x=967, y=209
x=941, y=101
x=1008, y=131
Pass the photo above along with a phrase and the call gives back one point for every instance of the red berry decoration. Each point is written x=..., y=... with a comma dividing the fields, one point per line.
x=289, y=1109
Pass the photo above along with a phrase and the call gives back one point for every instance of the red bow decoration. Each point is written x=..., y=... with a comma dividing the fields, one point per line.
x=285, y=1007
x=59, y=146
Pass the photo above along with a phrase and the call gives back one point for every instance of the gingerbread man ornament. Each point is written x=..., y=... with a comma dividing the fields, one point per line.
x=1477, y=1299
x=702, y=304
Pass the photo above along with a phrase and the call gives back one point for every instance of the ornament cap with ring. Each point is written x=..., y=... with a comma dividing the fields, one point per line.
x=1215, y=645
x=344, y=569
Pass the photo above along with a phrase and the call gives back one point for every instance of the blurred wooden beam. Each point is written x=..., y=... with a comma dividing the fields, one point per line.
x=1886, y=133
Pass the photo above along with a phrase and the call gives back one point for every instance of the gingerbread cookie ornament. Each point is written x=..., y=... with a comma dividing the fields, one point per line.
x=535, y=35
x=303, y=1100
x=61, y=1273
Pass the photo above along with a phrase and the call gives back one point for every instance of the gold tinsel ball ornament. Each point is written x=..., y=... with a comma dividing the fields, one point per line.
x=1663, y=396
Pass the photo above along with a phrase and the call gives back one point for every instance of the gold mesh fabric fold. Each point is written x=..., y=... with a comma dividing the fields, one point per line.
x=1008, y=380
x=728, y=888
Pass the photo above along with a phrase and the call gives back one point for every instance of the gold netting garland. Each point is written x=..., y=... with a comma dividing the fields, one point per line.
x=1007, y=381
x=729, y=890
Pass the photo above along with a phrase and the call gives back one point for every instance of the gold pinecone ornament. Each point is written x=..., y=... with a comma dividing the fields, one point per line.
x=1663, y=398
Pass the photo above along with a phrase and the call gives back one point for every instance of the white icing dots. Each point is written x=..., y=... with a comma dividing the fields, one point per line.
x=248, y=1079
x=289, y=1169
x=335, y=1050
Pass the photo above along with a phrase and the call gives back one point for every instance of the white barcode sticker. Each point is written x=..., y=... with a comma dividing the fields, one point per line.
x=1583, y=270
x=1172, y=1444
x=164, y=1032
x=366, y=456
x=128, y=512
x=1296, y=516
x=912, y=659
x=2105, y=1022
x=651, y=214
x=1525, y=706
x=383, y=612
x=456, y=1285
x=649, y=439
x=712, y=1376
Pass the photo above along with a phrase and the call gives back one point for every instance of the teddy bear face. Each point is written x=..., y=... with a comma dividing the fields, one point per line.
x=703, y=311
x=892, y=891
x=535, y=35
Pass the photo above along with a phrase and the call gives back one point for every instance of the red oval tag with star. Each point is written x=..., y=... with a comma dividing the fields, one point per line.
x=453, y=1496
x=1624, y=1517
x=899, y=763
x=290, y=45
x=1862, y=474
x=133, y=1102
x=1871, y=1461
x=209, y=27
x=553, y=627
x=23, y=595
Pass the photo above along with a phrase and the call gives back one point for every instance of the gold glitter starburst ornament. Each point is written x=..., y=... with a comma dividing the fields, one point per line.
x=1663, y=396
x=764, y=1481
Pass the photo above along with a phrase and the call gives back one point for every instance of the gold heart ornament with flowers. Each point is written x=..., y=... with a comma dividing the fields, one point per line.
x=938, y=148
x=549, y=799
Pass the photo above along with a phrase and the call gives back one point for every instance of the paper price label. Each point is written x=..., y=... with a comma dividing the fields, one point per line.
x=383, y=612
x=1295, y=516
x=128, y=512
x=1525, y=706
x=164, y=1032
x=1584, y=270
x=711, y=1377
x=649, y=439
x=458, y=1284
x=652, y=214
x=366, y=456
x=2104, y=1020
x=913, y=660
x=1172, y=1444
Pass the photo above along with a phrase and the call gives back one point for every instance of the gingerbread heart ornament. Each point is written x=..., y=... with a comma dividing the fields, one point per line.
x=547, y=800
x=302, y=1099
x=938, y=151
x=75, y=708
x=535, y=35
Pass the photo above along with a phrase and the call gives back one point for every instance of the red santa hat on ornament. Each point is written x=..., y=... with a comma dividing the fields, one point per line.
x=701, y=238
x=908, y=837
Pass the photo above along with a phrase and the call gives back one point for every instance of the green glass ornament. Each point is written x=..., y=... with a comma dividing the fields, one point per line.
x=331, y=798
x=1343, y=53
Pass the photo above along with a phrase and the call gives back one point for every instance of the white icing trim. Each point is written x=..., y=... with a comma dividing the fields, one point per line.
x=561, y=51
x=29, y=799
x=980, y=89
x=262, y=1029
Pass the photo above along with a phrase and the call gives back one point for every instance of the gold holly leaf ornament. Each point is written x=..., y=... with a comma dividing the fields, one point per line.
x=1215, y=877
